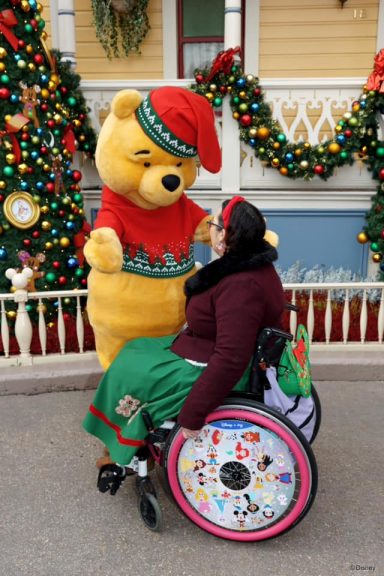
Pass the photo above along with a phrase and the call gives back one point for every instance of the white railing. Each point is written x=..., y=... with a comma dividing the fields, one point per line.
x=333, y=297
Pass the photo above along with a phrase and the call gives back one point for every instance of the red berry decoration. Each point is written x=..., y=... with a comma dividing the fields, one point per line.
x=319, y=169
x=76, y=176
x=246, y=120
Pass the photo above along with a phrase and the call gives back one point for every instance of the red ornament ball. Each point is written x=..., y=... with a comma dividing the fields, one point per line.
x=4, y=93
x=83, y=282
x=76, y=176
x=319, y=169
x=381, y=174
x=66, y=316
x=348, y=133
x=63, y=89
x=21, y=44
x=62, y=280
x=257, y=91
x=51, y=123
x=38, y=59
x=44, y=107
x=27, y=242
x=61, y=213
x=33, y=23
x=199, y=78
x=44, y=150
x=223, y=89
x=25, y=136
x=50, y=187
x=1, y=198
x=382, y=234
x=56, y=264
x=36, y=234
x=246, y=120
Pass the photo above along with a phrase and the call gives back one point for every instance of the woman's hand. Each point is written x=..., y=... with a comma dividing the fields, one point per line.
x=189, y=433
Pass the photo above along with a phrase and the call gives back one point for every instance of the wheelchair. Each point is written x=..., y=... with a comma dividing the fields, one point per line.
x=249, y=476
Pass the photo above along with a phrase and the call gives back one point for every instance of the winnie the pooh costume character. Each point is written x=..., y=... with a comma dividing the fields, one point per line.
x=141, y=250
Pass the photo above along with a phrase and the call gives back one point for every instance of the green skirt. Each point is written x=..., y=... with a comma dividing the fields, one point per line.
x=146, y=375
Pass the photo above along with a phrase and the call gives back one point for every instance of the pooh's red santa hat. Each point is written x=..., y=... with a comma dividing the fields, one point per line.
x=181, y=123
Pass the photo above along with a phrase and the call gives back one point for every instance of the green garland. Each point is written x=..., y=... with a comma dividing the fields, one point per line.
x=356, y=134
x=120, y=32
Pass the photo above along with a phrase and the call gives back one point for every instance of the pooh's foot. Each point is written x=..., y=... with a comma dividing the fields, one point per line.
x=104, y=459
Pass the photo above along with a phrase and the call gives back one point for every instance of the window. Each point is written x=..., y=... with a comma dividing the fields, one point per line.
x=200, y=33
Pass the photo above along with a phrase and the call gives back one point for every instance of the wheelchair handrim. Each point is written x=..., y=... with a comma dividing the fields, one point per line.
x=273, y=424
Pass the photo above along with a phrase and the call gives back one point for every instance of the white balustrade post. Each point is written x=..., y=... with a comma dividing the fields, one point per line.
x=23, y=325
x=230, y=172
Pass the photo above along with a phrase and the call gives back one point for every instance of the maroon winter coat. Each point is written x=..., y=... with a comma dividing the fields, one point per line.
x=229, y=302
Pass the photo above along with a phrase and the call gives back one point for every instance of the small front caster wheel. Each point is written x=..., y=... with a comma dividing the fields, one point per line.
x=151, y=512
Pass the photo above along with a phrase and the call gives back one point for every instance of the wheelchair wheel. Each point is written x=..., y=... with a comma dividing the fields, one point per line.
x=249, y=476
x=150, y=512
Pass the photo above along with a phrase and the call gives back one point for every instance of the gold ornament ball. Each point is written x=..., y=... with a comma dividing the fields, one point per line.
x=51, y=324
x=44, y=93
x=11, y=314
x=41, y=308
x=275, y=162
x=377, y=257
x=263, y=133
x=284, y=170
x=250, y=78
x=55, y=78
x=304, y=164
x=298, y=152
x=56, y=241
x=76, y=123
x=31, y=67
x=307, y=145
x=58, y=119
x=46, y=226
x=7, y=117
x=276, y=145
x=46, y=168
x=10, y=158
x=52, y=86
x=2, y=66
x=362, y=238
x=25, y=5
x=348, y=115
x=252, y=132
x=243, y=94
x=3, y=185
x=22, y=168
x=338, y=129
x=25, y=154
x=44, y=35
x=29, y=49
x=58, y=106
x=40, y=161
x=236, y=115
x=334, y=148
x=213, y=87
x=48, y=245
x=3, y=53
x=82, y=138
x=81, y=211
x=40, y=8
x=44, y=209
x=65, y=242
x=209, y=96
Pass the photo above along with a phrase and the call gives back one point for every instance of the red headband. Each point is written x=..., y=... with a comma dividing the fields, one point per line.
x=229, y=207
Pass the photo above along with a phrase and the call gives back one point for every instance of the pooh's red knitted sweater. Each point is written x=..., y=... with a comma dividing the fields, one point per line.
x=156, y=243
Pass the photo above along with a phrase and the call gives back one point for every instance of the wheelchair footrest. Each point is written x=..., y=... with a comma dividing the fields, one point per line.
x=158, y=436
x=111, y=477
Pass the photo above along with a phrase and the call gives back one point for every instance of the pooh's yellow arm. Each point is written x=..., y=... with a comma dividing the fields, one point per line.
x=103, y=251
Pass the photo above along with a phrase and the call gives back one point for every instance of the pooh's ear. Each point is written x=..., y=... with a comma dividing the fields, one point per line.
x=125, y=103
x=272, y=238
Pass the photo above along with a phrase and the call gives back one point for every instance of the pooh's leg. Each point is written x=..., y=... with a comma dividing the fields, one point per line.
x=107, y=348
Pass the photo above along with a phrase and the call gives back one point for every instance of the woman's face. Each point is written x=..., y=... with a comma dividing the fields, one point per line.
x=217, y=234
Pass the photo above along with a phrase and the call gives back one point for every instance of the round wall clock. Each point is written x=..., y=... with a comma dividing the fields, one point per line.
x=20, y=210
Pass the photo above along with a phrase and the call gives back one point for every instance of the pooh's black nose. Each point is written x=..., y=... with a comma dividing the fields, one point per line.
x=171, y=182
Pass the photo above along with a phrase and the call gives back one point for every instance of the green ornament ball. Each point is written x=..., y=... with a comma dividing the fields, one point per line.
x=344, y=155
x=353, y=121
x=28, y=28
x=8, y=171
x=77, y=198
x=4, y=78
x=374, y=247
x=243, y=107
x=281, y=138
x=72, y=101
x=79, y=272
x=217, y=102
x=380, y=152
x=50, y=277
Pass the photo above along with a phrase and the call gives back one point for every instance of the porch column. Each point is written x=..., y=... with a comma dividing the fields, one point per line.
x=66, y=30
x=230, y=136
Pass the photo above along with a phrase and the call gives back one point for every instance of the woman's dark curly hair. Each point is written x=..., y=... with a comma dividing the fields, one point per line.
x=246, y=228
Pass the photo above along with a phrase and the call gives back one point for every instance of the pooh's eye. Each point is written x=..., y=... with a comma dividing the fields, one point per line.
x=147, y=164
x=179, y=164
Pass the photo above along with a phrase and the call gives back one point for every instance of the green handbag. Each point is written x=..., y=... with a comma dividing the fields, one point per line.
x=294, y=369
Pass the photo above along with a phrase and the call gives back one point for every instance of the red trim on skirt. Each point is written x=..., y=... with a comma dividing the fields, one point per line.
x=117, y=429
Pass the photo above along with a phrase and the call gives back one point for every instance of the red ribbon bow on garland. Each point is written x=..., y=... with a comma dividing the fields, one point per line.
x=223, y=62
x=7, y=21
x=376, y=79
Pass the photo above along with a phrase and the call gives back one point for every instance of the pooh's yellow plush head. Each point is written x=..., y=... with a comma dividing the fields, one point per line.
x=146, y=148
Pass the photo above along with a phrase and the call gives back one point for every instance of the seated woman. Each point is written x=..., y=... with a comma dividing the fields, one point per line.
x=229, y=302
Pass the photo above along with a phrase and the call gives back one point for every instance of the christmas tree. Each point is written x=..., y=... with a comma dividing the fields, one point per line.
x=43, y=121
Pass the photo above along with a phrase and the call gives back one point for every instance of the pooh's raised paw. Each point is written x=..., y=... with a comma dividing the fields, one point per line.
x=103, y=251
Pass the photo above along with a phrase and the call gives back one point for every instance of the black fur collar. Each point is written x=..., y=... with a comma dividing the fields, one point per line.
x=212, y=273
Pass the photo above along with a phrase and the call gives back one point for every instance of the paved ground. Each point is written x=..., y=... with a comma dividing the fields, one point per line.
x=53, y=521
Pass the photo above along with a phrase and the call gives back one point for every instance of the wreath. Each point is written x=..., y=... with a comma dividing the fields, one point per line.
x=356, y=134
